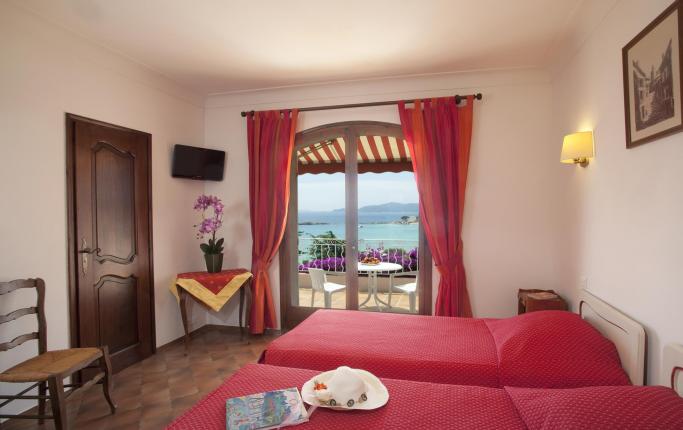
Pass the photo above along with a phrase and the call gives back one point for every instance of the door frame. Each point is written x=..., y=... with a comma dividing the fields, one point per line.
x=292, y=315
x=72, y=246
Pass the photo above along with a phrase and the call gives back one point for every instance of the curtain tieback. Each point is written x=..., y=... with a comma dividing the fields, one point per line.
x=260, y=266
x=450, y=265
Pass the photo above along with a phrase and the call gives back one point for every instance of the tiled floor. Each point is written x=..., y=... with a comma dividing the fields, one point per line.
x=399, y=301
x=150, y=394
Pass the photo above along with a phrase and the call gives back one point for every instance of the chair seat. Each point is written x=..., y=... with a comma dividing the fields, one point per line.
x=52, y=363
x=407, y=288
x=331, y=287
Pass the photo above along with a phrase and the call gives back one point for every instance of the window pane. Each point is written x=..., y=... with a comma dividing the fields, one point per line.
x=388, y=229
x=321, y=226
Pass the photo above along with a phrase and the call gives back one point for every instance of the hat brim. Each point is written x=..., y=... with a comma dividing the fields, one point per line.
x=377, y=393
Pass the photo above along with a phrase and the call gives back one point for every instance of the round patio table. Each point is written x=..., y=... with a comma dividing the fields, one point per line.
x=372, y=270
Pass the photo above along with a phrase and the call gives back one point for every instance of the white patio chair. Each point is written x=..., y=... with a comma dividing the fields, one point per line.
x=319, y=283
x=410, y=289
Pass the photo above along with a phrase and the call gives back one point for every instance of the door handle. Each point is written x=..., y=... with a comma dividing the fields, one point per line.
x=85, y=251
x=88, y=251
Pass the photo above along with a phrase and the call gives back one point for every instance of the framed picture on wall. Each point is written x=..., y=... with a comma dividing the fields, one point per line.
x=652, y=64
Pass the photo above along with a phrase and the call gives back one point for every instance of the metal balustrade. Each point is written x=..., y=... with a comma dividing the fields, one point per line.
x=329, y=254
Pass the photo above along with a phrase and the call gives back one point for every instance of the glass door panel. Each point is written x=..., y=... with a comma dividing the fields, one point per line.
x=321, y=226
x=388, y=227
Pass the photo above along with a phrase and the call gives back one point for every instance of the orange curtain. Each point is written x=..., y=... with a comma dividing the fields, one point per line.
x=439, y=133
x=270, y=138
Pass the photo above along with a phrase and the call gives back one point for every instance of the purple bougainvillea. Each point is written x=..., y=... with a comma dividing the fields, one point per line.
x=338, y=264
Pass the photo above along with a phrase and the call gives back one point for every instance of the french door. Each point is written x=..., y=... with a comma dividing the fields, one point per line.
x=353, y=239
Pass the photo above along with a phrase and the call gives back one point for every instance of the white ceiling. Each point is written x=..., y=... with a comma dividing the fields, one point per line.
x=216, y=46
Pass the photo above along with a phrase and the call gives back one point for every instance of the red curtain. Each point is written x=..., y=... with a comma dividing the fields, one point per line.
x=438, y=133
x=270, y=137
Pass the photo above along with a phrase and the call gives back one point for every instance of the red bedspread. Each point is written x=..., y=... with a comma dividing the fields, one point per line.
x=412, y=405
x=554, y=349
x=623, y=408
x=418, y=405
x=540, y=349
x=419, y=348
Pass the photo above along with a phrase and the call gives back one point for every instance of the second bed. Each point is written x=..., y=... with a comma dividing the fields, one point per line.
x=550, y=349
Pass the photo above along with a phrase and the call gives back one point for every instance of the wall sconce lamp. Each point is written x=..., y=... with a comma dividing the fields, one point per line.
x=577, y=148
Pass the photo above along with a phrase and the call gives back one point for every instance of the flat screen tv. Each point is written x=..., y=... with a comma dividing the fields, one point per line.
x=198, y=163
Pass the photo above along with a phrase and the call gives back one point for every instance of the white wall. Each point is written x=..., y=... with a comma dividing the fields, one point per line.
x=628, y=204
x=513, y=216
x=46, y=72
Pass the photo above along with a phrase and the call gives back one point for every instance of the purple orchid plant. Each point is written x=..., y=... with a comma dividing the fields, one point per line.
x=210, y=223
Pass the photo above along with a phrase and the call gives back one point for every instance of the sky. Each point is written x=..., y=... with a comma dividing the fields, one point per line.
x=325, y=192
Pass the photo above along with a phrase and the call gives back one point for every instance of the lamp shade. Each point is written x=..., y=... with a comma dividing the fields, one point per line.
x=577, y=147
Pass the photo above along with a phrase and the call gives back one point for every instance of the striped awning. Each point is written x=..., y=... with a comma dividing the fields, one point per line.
x=375, y=154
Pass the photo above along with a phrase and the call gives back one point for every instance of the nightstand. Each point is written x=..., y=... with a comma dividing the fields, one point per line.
x=539, y=300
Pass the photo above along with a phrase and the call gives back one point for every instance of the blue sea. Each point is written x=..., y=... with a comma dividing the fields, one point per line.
x=375, y=229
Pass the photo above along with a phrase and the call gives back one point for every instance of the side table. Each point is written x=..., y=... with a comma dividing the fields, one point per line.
x=213, y=291
x=539, y=300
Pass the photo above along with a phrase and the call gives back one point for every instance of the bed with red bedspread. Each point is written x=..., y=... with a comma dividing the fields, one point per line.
x=420, y=405
x=549, y=349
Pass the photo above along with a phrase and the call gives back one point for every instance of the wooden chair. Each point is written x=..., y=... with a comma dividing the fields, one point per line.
x=48, y=370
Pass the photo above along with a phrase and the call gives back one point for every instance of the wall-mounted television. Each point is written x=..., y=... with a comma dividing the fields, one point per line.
x=198, y=163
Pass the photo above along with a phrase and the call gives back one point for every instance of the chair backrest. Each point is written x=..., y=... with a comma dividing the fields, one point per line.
x=317, y=279
x=39, y=310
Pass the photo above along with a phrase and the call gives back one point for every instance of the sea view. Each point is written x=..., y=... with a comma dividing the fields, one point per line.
x=379, y=226
x=387, y=212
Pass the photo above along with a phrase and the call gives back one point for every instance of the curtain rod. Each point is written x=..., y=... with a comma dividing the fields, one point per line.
x=458, y=99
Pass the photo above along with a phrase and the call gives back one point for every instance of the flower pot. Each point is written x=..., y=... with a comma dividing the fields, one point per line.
x=214, y=262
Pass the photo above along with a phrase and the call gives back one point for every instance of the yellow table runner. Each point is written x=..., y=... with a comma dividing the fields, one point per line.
x=212, y=289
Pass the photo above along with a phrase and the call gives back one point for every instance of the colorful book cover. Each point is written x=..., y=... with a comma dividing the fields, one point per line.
x=269, y=410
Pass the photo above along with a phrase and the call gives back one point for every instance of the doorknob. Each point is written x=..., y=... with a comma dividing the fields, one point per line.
x=84, y=251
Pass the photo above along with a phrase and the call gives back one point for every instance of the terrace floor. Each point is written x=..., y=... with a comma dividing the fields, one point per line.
x=399, y=301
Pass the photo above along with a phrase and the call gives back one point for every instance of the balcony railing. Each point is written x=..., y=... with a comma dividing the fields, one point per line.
x=329, y=254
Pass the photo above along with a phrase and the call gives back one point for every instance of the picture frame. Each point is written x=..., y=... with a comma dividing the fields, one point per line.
x=653, y=81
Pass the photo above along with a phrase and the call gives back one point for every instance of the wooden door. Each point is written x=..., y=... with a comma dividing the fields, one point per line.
x=112, y=304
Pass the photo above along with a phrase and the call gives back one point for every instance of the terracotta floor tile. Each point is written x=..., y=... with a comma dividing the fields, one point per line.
x=155, y=423
x=183, y=390
x=152, y=387
x=157, y=398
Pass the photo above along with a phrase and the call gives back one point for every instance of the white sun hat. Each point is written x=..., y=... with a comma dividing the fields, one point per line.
x=345, y=389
